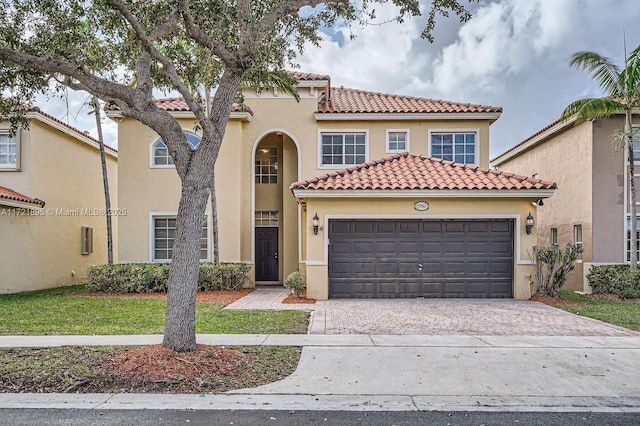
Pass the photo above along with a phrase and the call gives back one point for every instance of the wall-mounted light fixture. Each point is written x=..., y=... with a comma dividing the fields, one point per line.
x=316, y=223
x=529, y=223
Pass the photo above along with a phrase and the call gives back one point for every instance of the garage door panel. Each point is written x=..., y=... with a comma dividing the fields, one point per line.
x=409, y=247
x=409, y=227
x=459, y=258
x=387, y=247
x=363, y=227
x=341, y=248
x=477, y=267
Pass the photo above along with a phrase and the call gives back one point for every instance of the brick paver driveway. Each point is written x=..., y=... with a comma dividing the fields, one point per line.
x=454, y=317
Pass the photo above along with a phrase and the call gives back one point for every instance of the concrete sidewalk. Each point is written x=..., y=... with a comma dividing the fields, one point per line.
x=393, y=372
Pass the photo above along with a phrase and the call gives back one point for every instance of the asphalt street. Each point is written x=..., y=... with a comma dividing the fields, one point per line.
x=69, y=417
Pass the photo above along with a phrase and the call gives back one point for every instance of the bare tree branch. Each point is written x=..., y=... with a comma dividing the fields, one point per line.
x=168, y=65
x=202, y=38
x=167, y=28
x=105, y=89
x=143, y=73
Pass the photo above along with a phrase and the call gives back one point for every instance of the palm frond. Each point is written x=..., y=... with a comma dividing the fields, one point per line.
x=606, y=73
x=281, y=80
x=592, y=109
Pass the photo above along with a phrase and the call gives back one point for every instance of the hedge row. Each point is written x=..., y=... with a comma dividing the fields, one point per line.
x=616, y=279
x=154, y=277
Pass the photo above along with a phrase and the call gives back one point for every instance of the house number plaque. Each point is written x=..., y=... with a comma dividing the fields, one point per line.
x=421, y=206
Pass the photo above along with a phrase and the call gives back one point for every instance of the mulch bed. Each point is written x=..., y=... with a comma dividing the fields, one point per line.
x=293, y=299
x=229, y=296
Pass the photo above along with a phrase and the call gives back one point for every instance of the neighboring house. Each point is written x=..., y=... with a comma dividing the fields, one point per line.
x=389, y=223
x=52, y=223
x=589, y=207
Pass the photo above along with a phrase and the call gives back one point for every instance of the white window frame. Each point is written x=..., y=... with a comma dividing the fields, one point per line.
x=260, y=175
x=152, y=157
x=627, y=236
x=16, y=137
x=343, y=132
x=454, y=131
x=407, y=141
x=578, y=241
x=160, y=215
x=553, y=236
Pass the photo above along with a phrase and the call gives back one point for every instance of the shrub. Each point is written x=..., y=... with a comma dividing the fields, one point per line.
x=615, y=279
x=224, y=276
x=296, y=283
x=552, y=265
x=154, y=277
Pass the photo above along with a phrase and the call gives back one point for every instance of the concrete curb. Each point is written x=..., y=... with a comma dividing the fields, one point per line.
x=321, y=402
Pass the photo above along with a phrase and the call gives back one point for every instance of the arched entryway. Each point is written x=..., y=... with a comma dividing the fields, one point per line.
x=275, y=211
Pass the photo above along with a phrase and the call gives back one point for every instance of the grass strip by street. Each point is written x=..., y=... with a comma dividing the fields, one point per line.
x=53, y=312
x=87, y=369
x=623, y=313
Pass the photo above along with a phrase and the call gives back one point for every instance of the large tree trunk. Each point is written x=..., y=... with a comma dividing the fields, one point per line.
x=179, y=333
x=180, y=328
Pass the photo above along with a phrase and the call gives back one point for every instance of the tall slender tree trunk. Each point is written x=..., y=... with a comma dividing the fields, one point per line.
x=105, y=179
x=632, y=189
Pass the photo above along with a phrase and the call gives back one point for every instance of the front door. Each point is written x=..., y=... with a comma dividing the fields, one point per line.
x=267, y=254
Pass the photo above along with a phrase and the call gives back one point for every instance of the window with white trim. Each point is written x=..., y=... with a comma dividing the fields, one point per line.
x=8, y=151
x=160, y=152
x=164, y=233
x=553, y=232
x=86, y=240
x=266, y=218
x=577, y=238
x=343, y=149
x=457, y=147
x=397, y=140
x=628, y=245
x=266, y=165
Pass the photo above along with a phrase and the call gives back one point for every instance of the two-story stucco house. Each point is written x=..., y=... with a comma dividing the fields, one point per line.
x=327, y=185
x=52, y=208
x=590, y=206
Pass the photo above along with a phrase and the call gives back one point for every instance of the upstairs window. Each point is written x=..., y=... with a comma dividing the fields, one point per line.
x=160, y=152
x=266, y=165
x=397, y=140
x=8, y=151
x=457, y=147
x=343, y=149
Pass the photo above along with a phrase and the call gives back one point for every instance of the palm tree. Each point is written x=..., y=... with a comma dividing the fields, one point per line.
x=622, y=89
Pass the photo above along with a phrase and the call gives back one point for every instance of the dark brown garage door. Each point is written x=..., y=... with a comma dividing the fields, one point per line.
x=420, y=258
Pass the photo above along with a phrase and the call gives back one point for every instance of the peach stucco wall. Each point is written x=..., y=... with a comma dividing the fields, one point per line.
x=565, y=159
x=43, y=249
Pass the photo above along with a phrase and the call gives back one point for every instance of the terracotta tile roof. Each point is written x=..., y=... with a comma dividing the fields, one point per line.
x=178, y=104
x=344, y=100
x=9, y=194
x=307, y=76
x=412, y=171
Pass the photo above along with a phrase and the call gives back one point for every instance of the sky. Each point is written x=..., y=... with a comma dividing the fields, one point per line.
x=512, y=53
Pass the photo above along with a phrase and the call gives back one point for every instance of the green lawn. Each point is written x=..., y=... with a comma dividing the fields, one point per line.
x=625, y=313
x=54, y=312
